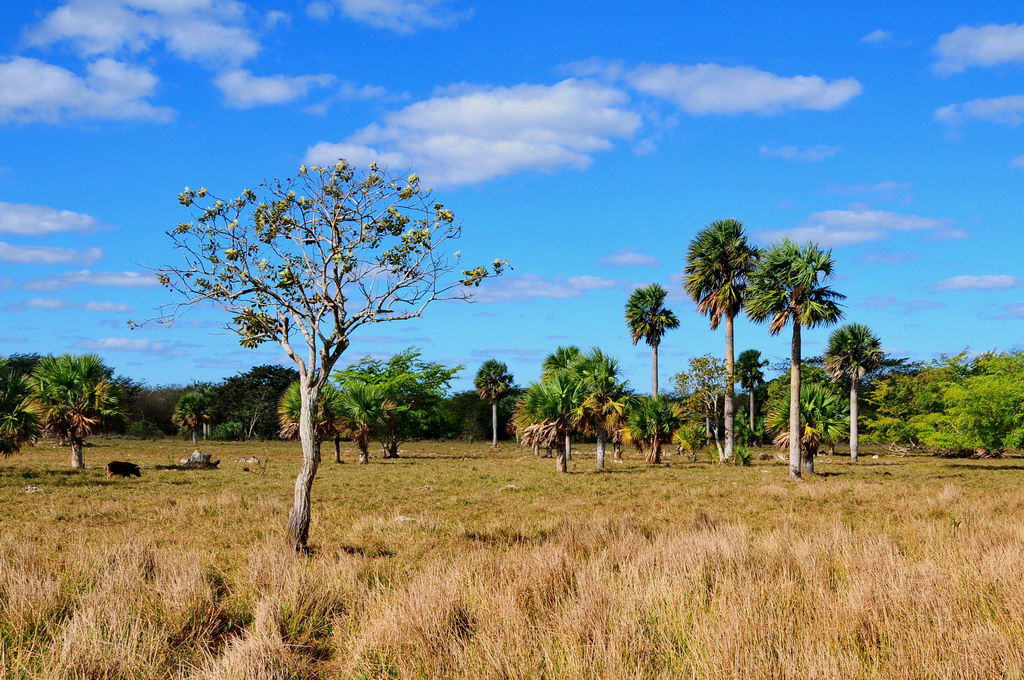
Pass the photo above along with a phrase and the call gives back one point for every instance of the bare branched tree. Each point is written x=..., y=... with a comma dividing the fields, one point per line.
x=305, y=262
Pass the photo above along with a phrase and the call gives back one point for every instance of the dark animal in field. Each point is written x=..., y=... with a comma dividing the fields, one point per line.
x=122, y=469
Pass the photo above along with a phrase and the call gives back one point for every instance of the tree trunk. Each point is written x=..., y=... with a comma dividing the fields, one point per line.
x=794, y=403
x=854, y=430
x=751, y=408
x=77, y=459
x=808, y=462
x=195, y=437
x=568, y=446
x=601, y=437
x=561, y=464
x=364, y=455
x=494, y=424
x=390, y=448
x=654, y=454
x=617, y=447
x=654, y=370
x=730, y=390
x=337, y=448
x=299, y=518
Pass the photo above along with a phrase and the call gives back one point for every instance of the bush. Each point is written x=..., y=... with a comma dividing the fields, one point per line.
x=232, y=431
x=142, y=429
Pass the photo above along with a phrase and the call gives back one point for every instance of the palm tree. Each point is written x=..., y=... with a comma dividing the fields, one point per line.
x=76, y=397
x=363, y=410
x=193, y=412
x=823, y=416
x=853, y=351
x=648, y=319
x=19, y=413
x=718, y=262
x=750, y=376
x=604, y=406
x=788, y=286
x=325, y=416
x=650, y=424
x=552, y=406
x=559, y=360
x=492, y=382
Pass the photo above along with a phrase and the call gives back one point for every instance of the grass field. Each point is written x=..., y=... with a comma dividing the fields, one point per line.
x=459, y=562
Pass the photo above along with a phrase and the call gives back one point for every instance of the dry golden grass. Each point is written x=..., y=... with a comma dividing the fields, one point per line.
x=895, y=568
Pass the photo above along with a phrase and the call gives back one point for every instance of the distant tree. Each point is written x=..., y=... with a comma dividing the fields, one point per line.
x=363, y=411
x=306, y=262
x=788, y=287
x=651, y=423
x=853, y=351
x=492, y=382
x=19, y=412
x=559, y=360
x=548, y=412
x=648, y=320
x=23, y=363
x=751, y=377
x=824, y=420
x=702, y=389
x=192, y=411
x=325, y=418
x=718, y=262
x=603, y=409
x=76, y=398
x=250, y=398
x=417, y=388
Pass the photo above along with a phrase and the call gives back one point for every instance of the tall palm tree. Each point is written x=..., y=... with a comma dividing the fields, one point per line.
x=325, y=416
x=648, y=319
x=76, y=397
x=193, y=411
x=718, y=262
x=853, y=351
x=823, y=418
x=553, y=405
x=492, y=382
x=602, y=410
x=559, y=360
x=19, y=413
x=650, y=424
x=363, y=410
x=750, y=376
x=788, y=286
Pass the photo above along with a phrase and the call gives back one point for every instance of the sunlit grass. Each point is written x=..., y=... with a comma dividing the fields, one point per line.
x=459, y=562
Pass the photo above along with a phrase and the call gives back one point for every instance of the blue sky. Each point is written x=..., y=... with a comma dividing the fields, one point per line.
x=584, y=142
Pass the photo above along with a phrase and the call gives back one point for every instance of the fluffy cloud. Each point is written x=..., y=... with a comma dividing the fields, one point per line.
x=136, y=345
x=91, y=278
x=208, y=31
x=401, y=16
x=528, y=286
x=710, y=88
x=890, y=189
x=35, y=220
x=1017, y=162
x=849, y=227
x=906, y=307
x=41, y=255
x=986, y=45
x=629, y=257
x=877, y=37
x=479, y=134
x=1004, y=110
x=808, y=154
x=33, y=90
x=243, y=90
x=53, y=303
x=982, y=282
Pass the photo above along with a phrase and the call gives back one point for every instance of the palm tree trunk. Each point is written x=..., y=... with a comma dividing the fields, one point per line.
x=337, y=448
x=562, y=456
x=654, y=370
x=195, y=437
x=654, y=453
x=854, y=430
x=601, y=437
x=299, y=518
x=751, y=408
x=364, y=454
x=568, y=446
x=794, y=404
x=730, y=390
x=77, y=459
x=494, y=424
x=809, y=461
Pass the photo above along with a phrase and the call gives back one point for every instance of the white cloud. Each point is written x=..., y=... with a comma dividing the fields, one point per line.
x=34, y=220
x=986, y=45
x=1017, y=162
x=107, y=307
x=42, y=255
x=905, y=307
x=479, y=134
x=33, y=90
x=208, y=31
x=401, y=16
x=243, y=90
x=982, y=282
x=825, y=236
x=140, y=346
x=320, y=9
x=884, y=188
x=91, y=278
x=850, y=227
x=710, y=88
x=54, y=303
x=808, y=154
x=1004, y=110
x=877, y=37
x=528, y=286
x=629, y=257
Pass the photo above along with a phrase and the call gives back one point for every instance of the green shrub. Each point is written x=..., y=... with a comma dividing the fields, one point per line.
x=231, y=431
